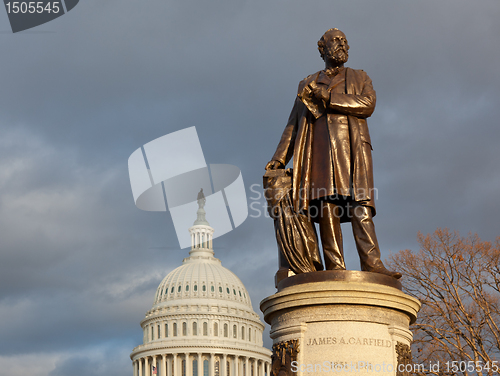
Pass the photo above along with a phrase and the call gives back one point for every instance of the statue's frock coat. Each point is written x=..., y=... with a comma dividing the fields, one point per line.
x=341, y=165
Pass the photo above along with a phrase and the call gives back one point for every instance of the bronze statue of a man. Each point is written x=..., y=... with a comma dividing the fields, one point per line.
x=328, y=137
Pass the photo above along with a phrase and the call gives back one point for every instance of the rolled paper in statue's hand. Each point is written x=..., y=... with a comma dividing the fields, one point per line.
x=309, y=99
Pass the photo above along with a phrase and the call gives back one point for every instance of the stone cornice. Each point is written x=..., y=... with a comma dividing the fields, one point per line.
x=220, y=350
x=200, y=316
x=205, y=302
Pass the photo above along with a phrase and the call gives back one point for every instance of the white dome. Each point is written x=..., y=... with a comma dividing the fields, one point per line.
x=201, y=276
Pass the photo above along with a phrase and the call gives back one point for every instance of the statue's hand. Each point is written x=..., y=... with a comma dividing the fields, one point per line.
x=274, y=165
x=321, y=93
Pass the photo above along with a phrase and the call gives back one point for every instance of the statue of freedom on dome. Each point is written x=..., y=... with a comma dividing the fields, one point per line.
x=201, y=199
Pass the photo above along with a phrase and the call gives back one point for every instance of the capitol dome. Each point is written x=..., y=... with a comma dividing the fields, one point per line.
x=201, y=276
x=202, y=322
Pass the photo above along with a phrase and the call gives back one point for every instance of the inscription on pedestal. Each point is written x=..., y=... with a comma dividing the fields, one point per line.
x=361, y=341
x=339, y=346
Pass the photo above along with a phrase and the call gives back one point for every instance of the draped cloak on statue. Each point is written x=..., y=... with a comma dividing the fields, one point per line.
x=295, y=234
x=346, y=169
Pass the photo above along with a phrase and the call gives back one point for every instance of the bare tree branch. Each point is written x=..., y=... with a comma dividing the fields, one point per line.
x=457, y=279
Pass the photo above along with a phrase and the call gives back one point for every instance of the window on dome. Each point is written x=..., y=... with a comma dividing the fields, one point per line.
x=242, y=332
x=159, y=331
x=244, y=295
x=179, y=289
x=195, y=329
x=220, y=289
x=172, y=290
x=240, y=293
x=152, y=333
x=235, y=334
x=225, y=330
x=187, y=287
x=195, y=288
x=227, y=289
x=216, y=329
x=205, y=367
x=166, y=330
x=184, y=329
x=205, y=329
x=204, y=288
x=212, y=288
x=234, y=291
x=175, y=329
x=249, y=334
x=195, y=367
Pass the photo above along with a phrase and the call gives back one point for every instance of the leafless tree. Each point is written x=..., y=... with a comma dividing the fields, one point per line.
x=457, y=279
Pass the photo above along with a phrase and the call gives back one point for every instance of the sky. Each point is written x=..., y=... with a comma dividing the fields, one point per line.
x=79, y=263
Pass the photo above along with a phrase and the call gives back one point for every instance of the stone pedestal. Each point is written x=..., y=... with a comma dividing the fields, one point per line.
x=340, y=322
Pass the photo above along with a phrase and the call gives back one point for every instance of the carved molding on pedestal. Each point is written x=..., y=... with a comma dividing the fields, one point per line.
x=404, y=357
x=284, y=353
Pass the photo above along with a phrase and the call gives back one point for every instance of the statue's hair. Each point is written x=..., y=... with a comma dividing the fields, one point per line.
x=321, y=42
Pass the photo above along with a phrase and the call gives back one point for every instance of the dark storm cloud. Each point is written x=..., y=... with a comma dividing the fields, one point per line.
x=80, y=264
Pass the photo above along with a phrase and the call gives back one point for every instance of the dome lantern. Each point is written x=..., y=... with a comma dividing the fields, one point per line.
x=201, y=232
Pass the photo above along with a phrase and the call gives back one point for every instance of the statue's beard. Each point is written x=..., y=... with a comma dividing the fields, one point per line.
x=337, y=57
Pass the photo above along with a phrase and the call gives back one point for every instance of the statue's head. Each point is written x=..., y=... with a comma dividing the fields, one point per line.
x=333, y=47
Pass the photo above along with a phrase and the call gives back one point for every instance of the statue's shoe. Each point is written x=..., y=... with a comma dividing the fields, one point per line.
x=390, y=273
